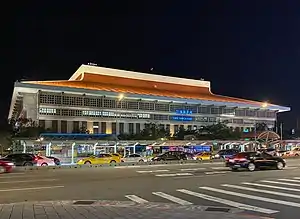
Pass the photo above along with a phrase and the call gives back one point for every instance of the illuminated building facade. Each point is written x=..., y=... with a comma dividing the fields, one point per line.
x=103, y=100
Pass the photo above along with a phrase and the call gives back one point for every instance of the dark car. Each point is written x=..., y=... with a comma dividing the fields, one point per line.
x=24, y=159
x=171, y=155
x=227, y=153
x=6, y=166
x=56, y=160
x=255, y=160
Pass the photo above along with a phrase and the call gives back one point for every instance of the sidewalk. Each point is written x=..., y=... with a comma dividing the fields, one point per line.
x=114, y=210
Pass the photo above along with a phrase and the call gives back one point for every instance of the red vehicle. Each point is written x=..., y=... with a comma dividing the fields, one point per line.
x=6, y=166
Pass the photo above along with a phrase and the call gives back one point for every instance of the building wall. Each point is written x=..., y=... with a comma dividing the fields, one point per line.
x=60, y=110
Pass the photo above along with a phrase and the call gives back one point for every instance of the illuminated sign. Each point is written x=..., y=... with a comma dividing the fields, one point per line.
x=182, y=118
x=184, y=111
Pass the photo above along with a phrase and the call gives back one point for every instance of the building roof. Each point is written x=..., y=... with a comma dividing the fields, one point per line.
x=105, y=79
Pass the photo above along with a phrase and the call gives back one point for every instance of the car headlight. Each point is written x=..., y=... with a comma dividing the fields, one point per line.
x=217, y=155
x=10, y=164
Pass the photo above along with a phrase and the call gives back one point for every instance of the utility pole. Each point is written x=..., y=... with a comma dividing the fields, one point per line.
x=281, y=130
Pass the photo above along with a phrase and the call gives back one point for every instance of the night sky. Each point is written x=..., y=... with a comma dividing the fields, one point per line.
x=246, y=50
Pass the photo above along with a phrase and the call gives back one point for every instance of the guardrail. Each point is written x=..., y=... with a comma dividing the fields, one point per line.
x=113, y=165
x=125, y=164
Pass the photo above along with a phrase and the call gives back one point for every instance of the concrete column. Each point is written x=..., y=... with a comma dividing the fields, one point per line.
x=172, y=129
x=59, y=126
x=108, y=128
x=142, y=125
x=90, y=127
x=69, y=126
x=126, y=127
x=48, y=124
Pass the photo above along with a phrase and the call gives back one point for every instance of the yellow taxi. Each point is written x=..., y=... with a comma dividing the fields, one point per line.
x=203, y=156
x=100, y=159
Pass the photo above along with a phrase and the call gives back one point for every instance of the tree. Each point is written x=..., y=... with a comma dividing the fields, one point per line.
x=179, y=135
x=218, y=131
x=261, y=127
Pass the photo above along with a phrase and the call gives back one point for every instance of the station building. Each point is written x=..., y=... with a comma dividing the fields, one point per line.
x=111, y=101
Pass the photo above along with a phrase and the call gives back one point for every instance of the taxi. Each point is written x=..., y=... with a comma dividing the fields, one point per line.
x=100, y=159
x=203, y=156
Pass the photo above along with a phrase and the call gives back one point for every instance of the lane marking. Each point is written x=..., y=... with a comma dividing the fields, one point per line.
x=125, y=167
x=188, y=177
x=33, y=188
x=136, y=199
x=262, y=191
x=193, y=169
x=213, y=163
x=220, y=168
x=16, y=173
x=25, y=181
x=228, y=202
x=290, y=180
x=9, y=177
x=291, y=168
x=172, y=198
x=280, y=183
x=174, y=174
x=296, y=177
x=216, y=172
x=152, y=171
x=272, y=187
x=258, y=198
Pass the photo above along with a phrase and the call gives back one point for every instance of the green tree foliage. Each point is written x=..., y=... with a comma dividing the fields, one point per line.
x=260, y=127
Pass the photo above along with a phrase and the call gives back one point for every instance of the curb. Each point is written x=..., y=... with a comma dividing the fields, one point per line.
x=130, y=204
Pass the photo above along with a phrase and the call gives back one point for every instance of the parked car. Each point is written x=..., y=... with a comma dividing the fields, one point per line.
x=44, y=161
x=22, y=159
x=100, y=159
x=255, y=160
x=56, y=160
x=295, y=152
x=227, y=153
x=6, y=166
x=203, y=156
x=172, y=155
x=134, y=158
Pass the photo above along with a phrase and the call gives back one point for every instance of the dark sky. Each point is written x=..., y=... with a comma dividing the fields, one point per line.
x=246, y=50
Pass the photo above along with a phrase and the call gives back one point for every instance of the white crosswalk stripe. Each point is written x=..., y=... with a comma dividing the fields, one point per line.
x=275, y=193
x=228, y=202
x=290, y=180
x=136, y=199
x=281, y=183
x=254, y=197
x=172, y=198
x=272, y=187
x=262, y=191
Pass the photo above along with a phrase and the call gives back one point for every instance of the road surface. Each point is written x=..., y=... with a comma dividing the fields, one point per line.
x=271, y=193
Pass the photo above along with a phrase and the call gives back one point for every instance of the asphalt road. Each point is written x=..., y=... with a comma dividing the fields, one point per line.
x=270, y=193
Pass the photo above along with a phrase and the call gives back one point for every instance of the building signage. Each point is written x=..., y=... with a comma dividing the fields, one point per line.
x=182, y=118
x=184, y=111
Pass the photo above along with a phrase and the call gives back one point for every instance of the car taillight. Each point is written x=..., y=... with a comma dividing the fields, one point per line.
x=240, y=159
x=36, y=159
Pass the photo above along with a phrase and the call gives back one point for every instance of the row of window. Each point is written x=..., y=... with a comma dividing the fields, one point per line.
x=103, y=102
x=145, y=116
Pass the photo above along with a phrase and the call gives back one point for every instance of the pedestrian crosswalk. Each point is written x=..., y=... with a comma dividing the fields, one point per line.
x=263, y=196
x=195, y=171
